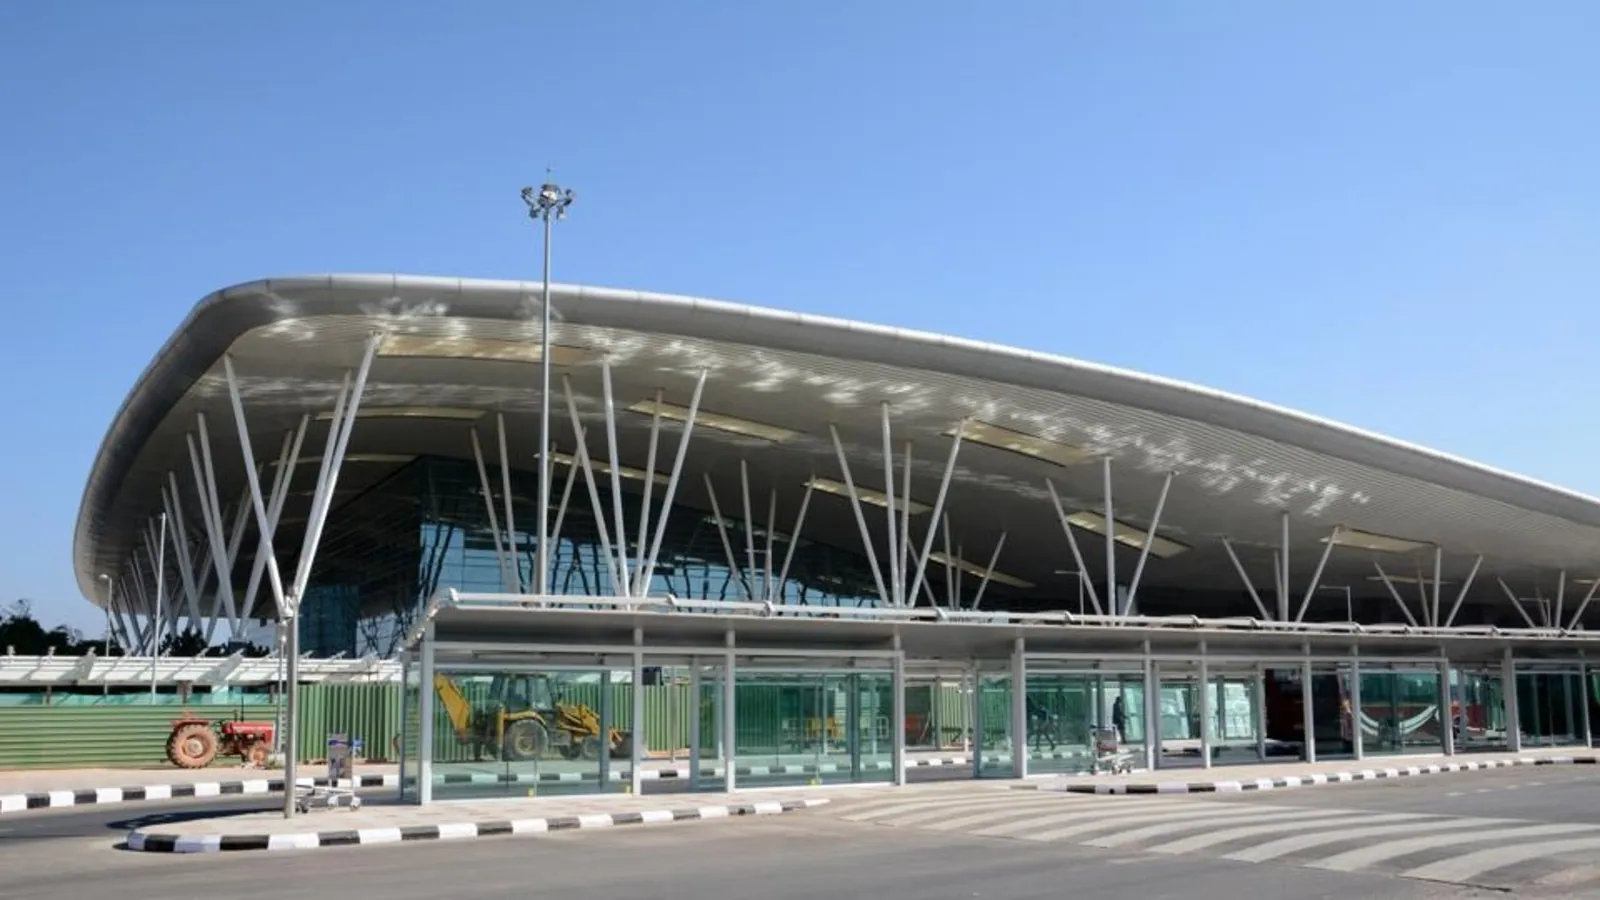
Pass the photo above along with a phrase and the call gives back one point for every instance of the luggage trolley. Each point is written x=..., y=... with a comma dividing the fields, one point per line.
x=1108, y=753
x=341, y=787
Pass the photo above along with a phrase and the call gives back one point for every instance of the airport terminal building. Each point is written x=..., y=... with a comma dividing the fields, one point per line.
x=815, y=548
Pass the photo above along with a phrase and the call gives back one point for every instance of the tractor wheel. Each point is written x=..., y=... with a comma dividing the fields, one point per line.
x=255, y=755
x=525, y=740
x=589, y=747
x=192, y=746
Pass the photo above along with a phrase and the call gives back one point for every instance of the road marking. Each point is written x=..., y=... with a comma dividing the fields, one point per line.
x=1109, y=823
x=1163, y=829
x=1301, y=843
x=1311, y=822
x=1469, y=866
x=1013, y=829
x=1361, y=858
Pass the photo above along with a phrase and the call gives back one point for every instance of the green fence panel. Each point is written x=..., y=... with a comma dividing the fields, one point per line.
x=369, y=712
x=110, y=735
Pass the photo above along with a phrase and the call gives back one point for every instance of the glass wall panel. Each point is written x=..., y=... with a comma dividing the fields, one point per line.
x=1547, y=704
x=813, y=727
x=1061, y=719
x=1479, y=710
x=1234, y=726
x=1400, y=712
x=706, y=752
x=994, y=726
x=1179, y=728
x=527, y=732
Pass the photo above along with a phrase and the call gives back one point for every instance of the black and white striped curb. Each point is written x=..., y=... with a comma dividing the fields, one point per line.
x=1296, y=781
x=217, y=843
x=11, y=803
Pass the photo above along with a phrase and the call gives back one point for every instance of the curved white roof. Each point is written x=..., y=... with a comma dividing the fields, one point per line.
x=1239, y=461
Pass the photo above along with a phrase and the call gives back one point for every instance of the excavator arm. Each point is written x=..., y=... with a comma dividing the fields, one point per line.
x=455, y=706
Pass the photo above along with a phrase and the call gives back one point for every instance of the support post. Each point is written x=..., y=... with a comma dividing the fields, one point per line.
x=1466, y=586
x=1357, y=742
x=1259, y=708
x=1561, y=600
x=730, y=751
x=1084, y=581
x=696, y=726
x=636, y=718
x=768, y=590
x=1584, y=691
x=1152, y=711
x=794, y=536
x=1245, y=577
x=1149, y=538
x=938, y=510
x=748, y=525
x=1508, y=693
x=264, y=521
x=1111, y=541
x=1447, y=712
x=905, y=526
x=1316, y=576
x=897, y=740
x=1019, y=708
x=1307, y=709
x=861, y=518
x=288, y=459
x=1577, y=614
x=209, y=511
x=1205, y=707
x=672, y=482
x=425, y=715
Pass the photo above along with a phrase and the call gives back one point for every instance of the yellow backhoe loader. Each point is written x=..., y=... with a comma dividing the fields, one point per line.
x=524, y=719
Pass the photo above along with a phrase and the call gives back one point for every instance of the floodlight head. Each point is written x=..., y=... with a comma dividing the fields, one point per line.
x=549, y=201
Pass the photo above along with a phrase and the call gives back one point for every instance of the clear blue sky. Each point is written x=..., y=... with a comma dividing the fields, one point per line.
x=1385, y=213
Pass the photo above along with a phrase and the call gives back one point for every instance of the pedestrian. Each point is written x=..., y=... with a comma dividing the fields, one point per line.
x=1119, y=718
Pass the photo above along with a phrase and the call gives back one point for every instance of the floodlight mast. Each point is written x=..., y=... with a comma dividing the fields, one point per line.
x=549, y=203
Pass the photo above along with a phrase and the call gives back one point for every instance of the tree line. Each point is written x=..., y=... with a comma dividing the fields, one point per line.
x=23, y=635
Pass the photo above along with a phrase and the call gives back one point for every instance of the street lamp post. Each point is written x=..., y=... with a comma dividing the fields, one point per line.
x=548, y=203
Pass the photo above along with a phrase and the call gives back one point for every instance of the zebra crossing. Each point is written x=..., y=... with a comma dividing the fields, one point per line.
x=1467, y=850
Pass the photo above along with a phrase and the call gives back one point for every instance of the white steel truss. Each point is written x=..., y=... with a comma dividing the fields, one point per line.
x=506, y=580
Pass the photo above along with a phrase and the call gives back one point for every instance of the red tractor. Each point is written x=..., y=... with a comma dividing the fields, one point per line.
x=194, y=743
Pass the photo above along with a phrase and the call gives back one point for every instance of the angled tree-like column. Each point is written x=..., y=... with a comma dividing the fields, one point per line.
x=1149, y=538
x=1111, y=540
x=1245, y=577
x=952, y=573
x=751, y=570
x=1466, y=586
x=1072, y=544
x=618, y=584
x=505, y=490
x=288, y=459
x=624, y=584
x=500, y=555
x=1395, y=593
x=561, y=508
x=640, y=588
x=938, y=507
x=794, y=535
x=988, y=572
x=1316, y=576
x=672, y=485
x=897, y=596
x=767, y=588
x=861, y=518
x=1283, y=569
x=905, y=525
x=1438, y=581
x=1561, y=600
x=1517, y=602
x=727, y=545
x=1577, y=614
x=186, y=580
x=263, y=523
x=211, y=511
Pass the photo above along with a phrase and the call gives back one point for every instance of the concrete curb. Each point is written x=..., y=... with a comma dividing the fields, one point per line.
x=218, y=843
x=67, y=797
x=1319, y=778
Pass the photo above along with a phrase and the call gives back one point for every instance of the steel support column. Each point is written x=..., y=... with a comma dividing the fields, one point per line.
x=1307, y=710
x=1585, y=691
x=1516, y=602
x=1283, y=571
x=1357, y=742
x=897, y=742
x=512, y=556
x=1152, y=711
x=1446, y=706
x=1117, y=607
x=425, y=716
x=1245, y=577
x=1438, y=583
x=988, y=571
x=734, y=568
x=640, y=588
x=1395, y=593
x=500, y=554
x=729, y=715
x=861, y=518
x=618, y=585
x=1019, y=708
x=1205, y=708
x=1316, y=575
x=695, y=725
x=672, y=484
x=637, y=748
x=1508, y=693
x=896, y=577
x=1577, y=614
x=938, y=509
x=612, y=451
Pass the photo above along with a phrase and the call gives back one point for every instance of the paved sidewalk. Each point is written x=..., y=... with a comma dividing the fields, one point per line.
x=384, y=823
x=1261, y=777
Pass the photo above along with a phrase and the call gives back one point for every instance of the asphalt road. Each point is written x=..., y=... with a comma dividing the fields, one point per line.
x=1535, y=793
x=793, y=856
